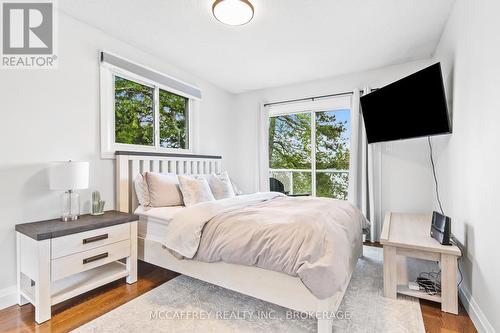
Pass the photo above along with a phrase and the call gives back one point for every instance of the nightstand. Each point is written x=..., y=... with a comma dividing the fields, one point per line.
x=59, y=260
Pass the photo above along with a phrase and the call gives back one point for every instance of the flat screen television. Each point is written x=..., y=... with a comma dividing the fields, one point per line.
x=409, y=108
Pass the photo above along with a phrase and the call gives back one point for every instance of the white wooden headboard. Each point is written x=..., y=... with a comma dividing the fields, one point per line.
x=130, y=164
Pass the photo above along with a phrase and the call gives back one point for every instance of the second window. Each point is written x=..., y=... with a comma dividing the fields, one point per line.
x=309, y=152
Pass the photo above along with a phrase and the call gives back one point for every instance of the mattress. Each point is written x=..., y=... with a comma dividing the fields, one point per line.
x=153, y=221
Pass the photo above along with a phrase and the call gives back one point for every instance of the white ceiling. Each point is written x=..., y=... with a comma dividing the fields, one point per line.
x=288, y=41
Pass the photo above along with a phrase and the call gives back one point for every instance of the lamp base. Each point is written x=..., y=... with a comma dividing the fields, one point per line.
x=71, y=206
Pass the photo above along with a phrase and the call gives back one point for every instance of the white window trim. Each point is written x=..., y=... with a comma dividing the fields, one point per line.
x=312, y=107
x=323, y=104
x=107, y=95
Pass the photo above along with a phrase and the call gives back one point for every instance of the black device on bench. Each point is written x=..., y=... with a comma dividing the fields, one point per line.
x=441, y=228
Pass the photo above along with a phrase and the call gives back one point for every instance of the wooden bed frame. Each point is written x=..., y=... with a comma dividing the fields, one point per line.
x=270, y=286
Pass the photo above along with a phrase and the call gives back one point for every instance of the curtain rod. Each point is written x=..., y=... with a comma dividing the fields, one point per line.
x=314, y=98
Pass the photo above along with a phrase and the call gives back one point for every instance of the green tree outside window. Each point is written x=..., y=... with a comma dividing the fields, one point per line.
x=134, y=113
x=290, y=148
x=173, y=120
x=135, y=116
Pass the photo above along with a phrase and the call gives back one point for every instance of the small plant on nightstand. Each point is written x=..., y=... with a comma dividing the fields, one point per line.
x=97, y=204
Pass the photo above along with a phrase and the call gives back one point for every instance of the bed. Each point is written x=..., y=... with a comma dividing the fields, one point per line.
x=272, y=286
x=153, y=222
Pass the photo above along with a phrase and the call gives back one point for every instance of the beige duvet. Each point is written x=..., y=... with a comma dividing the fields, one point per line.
x=312, y=238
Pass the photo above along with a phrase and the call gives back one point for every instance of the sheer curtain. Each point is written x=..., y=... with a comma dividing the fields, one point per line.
x=264, y=148
x=361, y=183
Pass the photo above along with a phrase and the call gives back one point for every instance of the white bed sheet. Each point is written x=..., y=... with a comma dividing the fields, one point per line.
x=153, y=221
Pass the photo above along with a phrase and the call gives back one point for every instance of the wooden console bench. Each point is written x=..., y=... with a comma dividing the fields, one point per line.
x=409, y=235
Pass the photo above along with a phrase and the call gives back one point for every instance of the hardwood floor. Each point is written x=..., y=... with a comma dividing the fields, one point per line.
x=82, y=309
x=75, y=312
x=437, y=321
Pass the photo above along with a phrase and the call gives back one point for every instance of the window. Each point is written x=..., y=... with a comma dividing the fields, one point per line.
x=173, y=120
x=309, y=150
x=134, y=113
x=142, y=114
x=135, y=117
x=333, y=136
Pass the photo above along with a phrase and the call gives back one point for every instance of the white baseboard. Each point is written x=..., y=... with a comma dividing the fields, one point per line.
x=8, y=297
x=475, y=313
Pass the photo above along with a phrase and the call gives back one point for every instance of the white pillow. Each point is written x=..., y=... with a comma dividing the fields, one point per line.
x=195, y=190
x=163, y=189
x=221, y=186
x=236, y=189
x=141, y=190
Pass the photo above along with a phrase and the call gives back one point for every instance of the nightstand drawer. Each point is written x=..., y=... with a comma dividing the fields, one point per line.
x=83, y=241
x=86, y=260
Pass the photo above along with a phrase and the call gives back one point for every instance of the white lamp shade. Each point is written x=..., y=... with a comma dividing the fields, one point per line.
x=69, y=176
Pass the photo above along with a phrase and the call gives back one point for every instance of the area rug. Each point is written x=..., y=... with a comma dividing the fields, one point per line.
x=184, y=304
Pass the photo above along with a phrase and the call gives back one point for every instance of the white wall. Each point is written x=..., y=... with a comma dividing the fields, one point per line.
x=53, y=115
x=468, y=160
x=405, y=175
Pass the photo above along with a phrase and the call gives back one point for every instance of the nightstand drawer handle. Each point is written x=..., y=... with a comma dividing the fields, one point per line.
x=94, y=258
x=95, y=238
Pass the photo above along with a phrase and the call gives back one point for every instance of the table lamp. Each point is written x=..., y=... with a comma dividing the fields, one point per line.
x=69, y=177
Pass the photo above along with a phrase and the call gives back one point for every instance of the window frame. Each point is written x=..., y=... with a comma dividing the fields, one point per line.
x=107, y=100
x=312, y=107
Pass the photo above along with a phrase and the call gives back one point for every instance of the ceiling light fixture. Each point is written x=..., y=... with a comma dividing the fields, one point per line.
x=233, y=12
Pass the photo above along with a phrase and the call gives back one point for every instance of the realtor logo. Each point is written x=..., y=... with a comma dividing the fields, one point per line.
x=28, y=35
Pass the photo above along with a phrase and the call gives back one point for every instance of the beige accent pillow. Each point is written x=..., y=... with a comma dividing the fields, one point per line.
x=194, y=190
x=163, y=189
x=221, y=186
x=141, y=190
